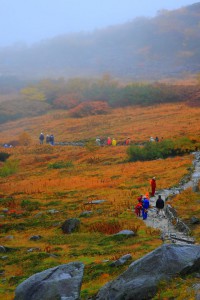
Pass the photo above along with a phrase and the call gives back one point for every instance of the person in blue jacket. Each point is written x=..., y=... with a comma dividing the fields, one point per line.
x=145, y=206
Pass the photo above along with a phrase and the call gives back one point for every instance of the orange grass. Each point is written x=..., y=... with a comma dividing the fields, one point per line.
x=70, y=190
x=166, y=120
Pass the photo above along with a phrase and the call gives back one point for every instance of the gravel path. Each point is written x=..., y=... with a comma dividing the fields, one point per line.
x=169, y=231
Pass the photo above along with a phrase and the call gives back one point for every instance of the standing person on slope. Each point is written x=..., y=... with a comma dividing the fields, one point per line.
x=160, y=204
x=41, y=138
x=145, y=206
x=153, y=186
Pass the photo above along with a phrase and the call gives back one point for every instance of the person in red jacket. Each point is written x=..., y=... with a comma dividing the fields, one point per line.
x=109, y=141
x=153, y=186
x=138, y=207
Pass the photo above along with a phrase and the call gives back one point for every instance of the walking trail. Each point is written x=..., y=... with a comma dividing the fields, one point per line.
x=178, y=233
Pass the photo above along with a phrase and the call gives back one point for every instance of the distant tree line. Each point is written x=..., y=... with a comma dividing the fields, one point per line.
x=85, y=96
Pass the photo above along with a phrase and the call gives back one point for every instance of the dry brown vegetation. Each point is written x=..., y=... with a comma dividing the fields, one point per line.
x=38, y=187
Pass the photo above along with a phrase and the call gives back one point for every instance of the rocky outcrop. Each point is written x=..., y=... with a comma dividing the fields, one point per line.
x=70, y=225
x=141, y=279
x=62, y=282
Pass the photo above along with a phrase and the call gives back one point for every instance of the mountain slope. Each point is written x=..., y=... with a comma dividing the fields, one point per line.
x=167, y=45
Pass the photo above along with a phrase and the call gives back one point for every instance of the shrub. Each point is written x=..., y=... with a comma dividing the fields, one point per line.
x=10, y=167
x=30, y=205
x=89, y=108
x=163, y=149
x=61, y=165
x=24, y=139
x=4, y=156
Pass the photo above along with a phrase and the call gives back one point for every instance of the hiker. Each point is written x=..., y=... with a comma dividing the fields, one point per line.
x=109, y=141
x=147, y=195
x=98, y=141
x=47, y=139
x=114, y=142
x=138, y=207
x=160, y=204
x=41, y=138
x=153, y=186
x=51, y=139
x=127, y=141
x=157, y=139
x=145, y=206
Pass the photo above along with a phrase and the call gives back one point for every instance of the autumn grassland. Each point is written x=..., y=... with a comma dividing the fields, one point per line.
x=39, y=197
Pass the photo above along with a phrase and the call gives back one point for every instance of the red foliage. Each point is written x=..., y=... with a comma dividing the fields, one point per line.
x=89, y=108
x=67, y=101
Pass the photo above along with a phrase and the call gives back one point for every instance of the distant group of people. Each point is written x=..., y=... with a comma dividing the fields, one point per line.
x=110, y=141
x=49, y=139
x=152, y=139
x=141, y=209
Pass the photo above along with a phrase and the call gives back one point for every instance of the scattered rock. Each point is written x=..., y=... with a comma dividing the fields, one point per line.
x=38, y=215
x=53, y=211
x=9, y=237
x=56, y=224
x=121, y=261
x=86, y=213
x=4, y=257
x=35, y=238
x=2, y=249
x=196, y=288
x=126, y=232
x=70, y=225
x=194, y=220
x=96, y=202
x=33, y=250
x=141, y=279
x=62, y=282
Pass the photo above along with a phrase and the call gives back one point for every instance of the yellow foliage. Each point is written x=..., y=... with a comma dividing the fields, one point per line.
x=33, y=94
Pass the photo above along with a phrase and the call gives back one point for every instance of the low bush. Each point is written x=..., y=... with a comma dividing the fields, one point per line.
x=4, y=156
x=163, y=149
x=30, y=205
x=10, y=167
x=89, y=108
x=61, y=165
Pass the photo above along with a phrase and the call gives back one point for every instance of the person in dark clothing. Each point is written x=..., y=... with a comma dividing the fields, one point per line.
x=41, y=138
x=160, y=204
x=47, y=139
x=51, y=139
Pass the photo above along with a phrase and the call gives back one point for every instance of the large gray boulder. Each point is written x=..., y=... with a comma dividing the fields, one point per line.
x=59, y=283
x=140, y=281
x=70, y=225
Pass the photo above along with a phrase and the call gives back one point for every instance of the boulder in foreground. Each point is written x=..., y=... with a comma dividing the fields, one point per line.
x=61, y=282
x=141, y=279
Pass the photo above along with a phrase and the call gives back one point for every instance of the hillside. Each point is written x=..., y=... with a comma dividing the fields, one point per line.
x=165, y=46
x=49, y=184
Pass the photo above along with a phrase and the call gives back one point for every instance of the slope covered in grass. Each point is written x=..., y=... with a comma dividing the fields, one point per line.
x=53, y=183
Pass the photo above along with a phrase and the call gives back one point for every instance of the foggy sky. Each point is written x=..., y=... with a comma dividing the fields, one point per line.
x=30, y=21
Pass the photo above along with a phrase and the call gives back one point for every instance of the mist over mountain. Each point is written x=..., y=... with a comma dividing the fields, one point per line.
x=165, y=46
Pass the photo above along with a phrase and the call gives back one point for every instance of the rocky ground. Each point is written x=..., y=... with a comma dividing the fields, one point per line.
x=168, y=231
